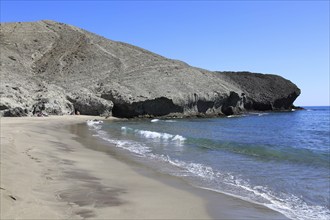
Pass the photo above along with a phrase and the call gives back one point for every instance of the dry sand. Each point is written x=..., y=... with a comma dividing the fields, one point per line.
x=46, y=174
x=51, y=168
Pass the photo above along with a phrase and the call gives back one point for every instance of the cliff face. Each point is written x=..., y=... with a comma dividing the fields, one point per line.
x=56, y=68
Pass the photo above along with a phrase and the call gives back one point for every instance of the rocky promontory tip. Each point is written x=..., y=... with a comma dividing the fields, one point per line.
x=58, y=69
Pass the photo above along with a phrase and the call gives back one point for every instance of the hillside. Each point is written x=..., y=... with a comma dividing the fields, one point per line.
x=55, y=68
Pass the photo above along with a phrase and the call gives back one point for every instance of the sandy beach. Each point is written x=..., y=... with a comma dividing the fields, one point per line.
x=47, y=174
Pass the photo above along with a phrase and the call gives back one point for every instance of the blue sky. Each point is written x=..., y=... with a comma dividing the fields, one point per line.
x=288, y=38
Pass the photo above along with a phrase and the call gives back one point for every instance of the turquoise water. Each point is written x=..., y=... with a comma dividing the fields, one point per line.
x=280, y=160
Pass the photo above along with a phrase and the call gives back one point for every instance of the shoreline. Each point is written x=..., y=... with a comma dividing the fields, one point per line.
x=219, y=204
x=50, y=171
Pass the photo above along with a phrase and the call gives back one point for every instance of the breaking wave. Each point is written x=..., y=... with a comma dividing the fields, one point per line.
x=154, y=135
x=158, y=120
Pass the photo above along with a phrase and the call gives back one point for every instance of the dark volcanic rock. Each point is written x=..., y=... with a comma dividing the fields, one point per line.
x=264, y=91
x=154, y=107
x=54, y=68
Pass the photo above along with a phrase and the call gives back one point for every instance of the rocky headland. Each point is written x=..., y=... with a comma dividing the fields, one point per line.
x=58, y=69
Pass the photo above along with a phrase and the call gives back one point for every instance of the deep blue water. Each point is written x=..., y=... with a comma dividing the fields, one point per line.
x=281, y=160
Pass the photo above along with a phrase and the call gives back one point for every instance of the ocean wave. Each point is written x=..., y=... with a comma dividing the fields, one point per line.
x=196, y=169
x=133, y=147
x=236, y=116
x=154, y=135
x=94, y=124
x=158, y=120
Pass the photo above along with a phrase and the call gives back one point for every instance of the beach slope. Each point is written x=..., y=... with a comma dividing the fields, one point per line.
x=46, y=174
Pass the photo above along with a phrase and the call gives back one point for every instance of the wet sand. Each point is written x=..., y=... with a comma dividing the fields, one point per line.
x=52, y=168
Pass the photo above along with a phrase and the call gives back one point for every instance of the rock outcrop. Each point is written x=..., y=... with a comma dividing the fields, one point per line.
x=54, y=68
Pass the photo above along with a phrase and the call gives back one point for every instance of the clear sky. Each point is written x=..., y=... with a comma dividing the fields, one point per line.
x=288, y=38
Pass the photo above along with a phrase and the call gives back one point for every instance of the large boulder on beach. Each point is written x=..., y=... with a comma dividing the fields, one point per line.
x=58, y=68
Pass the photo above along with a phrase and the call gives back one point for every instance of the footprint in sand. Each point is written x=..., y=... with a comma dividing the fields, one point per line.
x=10, y=196
x=27, y=152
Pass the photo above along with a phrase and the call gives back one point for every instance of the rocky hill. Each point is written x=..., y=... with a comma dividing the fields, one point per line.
x=53, y=68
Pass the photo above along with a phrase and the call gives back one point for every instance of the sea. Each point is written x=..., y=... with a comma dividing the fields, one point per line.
x=278, y=159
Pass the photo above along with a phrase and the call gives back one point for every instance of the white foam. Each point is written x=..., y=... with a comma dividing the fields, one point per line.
x=133, y=147
x=235, y=116
x=195, y=169
x=94, y=122
x=158, y=120
x=289, y=205
x=155, y=135
x=161, y=136
x=178, y=138
x=151, y=134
